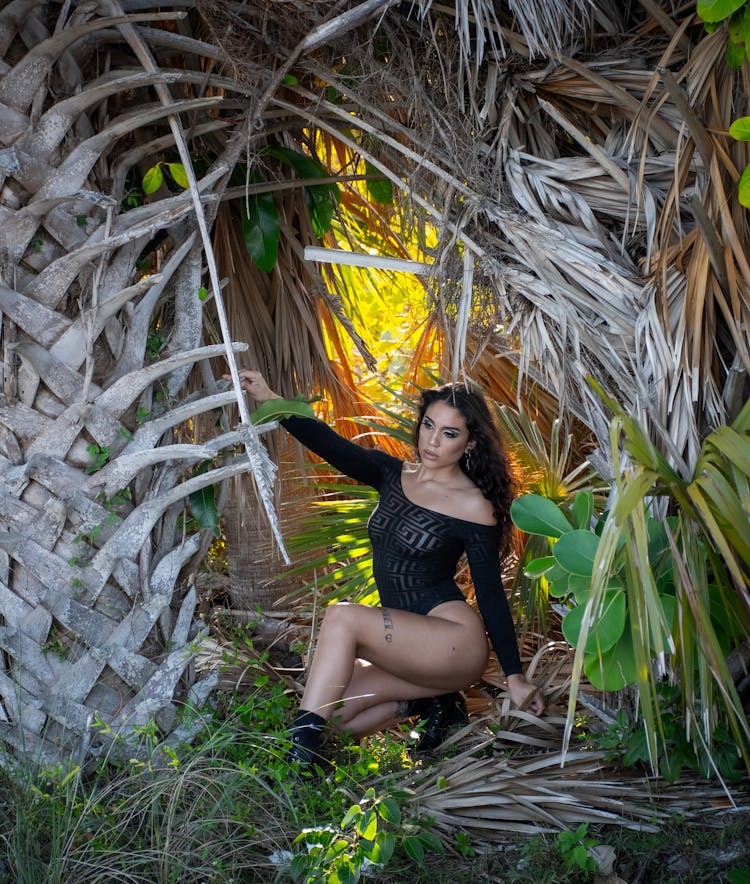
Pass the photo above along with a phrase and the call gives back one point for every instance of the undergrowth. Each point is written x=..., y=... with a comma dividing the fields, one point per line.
x=231, y=808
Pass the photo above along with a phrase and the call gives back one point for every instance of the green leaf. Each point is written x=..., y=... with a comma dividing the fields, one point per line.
x=413, y=849
x=580, y=587
x=371, y=850
x=289, y=80
x=277, y=409
x=382, y=848
x=558, y=579
x=583, y=509
x=735, y=55
x=733, y=445
x=576, y=551
x=581, y=858
x=336, y=847
x=321, y=199
x=178, y=173
x=613, y=669
x=379, y=189
x=261, y=228
x=717, y=10
x=535, y=514
x=607, y=627
x=636, y=748
x=153, y=179
x=658, y=544
x=430, y=841
x=669, y=607
x=537, y=567
x=321, y=203
x=203, y=503
x=670, y=766
x=390, y=811
x=727, y=613
x=299, y=866
x=344, y=873
x=743, y=188
x=736, y=30
x=354, y=812
x=728, y=509
x=367, y=825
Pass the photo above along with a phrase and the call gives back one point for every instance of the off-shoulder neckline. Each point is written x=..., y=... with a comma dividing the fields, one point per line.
x=427, y=509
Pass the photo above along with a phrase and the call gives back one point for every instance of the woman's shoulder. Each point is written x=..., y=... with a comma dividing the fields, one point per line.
x=476, y=507
x=461, y=500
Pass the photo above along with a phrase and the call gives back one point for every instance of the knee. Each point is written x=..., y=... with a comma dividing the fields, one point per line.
x=338, y=618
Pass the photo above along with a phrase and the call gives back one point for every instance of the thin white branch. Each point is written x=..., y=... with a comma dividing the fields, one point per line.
x=360, y=259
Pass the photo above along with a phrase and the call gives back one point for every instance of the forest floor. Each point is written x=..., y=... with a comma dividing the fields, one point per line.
x=713, y=850
x=700, y=838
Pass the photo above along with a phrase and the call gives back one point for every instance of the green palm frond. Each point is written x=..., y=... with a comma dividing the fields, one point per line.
x=708, y=542
x=547, y=463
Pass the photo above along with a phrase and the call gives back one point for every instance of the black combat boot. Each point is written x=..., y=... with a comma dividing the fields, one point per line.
x=441, y=715
x=306, y=731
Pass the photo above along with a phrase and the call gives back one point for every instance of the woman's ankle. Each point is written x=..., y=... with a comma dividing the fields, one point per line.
x=306, y=731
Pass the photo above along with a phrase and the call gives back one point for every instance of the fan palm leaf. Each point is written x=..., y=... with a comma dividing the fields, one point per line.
x=592, y=199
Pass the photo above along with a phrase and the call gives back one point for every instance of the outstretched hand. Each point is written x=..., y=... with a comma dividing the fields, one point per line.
x=255, y=384
x=525, y=694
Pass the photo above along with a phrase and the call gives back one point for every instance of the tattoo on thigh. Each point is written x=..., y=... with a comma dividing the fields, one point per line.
x=388, y=625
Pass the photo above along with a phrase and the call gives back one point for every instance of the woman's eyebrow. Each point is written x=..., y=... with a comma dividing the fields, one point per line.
x=432, y=421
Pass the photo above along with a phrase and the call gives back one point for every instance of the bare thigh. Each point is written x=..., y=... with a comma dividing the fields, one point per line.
x=411, y=654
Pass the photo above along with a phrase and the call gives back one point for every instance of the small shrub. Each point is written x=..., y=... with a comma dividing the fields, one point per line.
x=575, y=849
x=625, y=741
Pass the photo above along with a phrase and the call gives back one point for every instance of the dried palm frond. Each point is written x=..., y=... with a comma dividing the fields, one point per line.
x=581, y=169
x=489, y=797
x=547, y=26
x=476, y=152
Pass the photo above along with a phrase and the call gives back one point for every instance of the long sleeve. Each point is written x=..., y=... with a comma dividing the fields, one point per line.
x=482, y=553
x=364, y=465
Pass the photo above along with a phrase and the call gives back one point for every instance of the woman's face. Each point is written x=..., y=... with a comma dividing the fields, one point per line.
x=443, y=435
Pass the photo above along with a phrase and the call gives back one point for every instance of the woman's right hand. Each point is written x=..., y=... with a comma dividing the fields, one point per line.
x=255, y=384
x=525, y=694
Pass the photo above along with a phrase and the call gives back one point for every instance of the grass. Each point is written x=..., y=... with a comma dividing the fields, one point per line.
x=231, y=809
x=218, y=811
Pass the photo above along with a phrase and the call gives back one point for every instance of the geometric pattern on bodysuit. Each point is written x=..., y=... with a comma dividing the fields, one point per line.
x=416, y=550
x=415, y=553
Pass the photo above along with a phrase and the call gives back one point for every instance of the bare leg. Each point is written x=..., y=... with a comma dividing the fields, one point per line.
x=414, y=656
x=370, y=720
x=370, y=700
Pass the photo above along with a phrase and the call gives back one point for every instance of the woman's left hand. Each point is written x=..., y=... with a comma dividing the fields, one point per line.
x=525, y=694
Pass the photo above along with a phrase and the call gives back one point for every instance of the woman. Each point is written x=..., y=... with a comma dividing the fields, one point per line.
x=425, y=640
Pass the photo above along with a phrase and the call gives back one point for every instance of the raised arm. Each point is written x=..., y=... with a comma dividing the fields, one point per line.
x=365, y=465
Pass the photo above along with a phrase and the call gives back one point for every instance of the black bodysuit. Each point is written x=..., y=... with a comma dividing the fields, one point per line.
x=416, y=550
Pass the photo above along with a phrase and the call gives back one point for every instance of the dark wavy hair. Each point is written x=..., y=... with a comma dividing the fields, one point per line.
x=488, y=465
